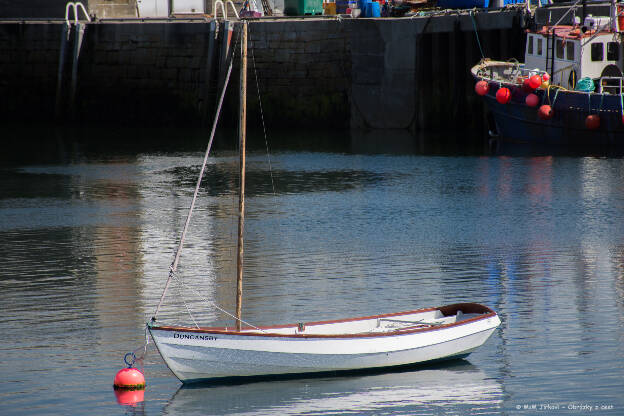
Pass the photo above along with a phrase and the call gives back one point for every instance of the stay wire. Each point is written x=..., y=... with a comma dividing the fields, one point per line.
x=266, y=142
x=474, y=25
x=213, y=303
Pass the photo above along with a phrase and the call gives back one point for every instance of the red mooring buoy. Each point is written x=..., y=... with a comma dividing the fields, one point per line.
x=535, y=81
x=129, y=379
x=545, y=112
x=503, y=95
x=592, y=121
x=482, y=87
x=531, y=100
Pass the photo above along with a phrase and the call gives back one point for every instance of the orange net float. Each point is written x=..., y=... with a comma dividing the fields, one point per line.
x=482, y=87
x=535, y=82
x=545, y=112
x=526, y=85
x=531, y=100
x=592, y=122
x=503, y=95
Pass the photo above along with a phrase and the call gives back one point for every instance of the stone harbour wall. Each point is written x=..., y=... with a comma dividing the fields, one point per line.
x=29, y=59
x=152, y=73
x=304, y=69
x=315, y=72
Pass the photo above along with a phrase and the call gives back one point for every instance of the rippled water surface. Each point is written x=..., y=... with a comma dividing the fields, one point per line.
x=336, y=226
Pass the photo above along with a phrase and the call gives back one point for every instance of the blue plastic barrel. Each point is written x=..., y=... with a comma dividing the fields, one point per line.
x=376, y=10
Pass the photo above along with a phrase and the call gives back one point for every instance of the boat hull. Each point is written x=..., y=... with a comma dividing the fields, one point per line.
x=515, y=120
x=195, y=355
x=519, y=122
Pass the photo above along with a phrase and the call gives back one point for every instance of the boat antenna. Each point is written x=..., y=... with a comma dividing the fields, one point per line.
x=176, y=259
x=242, y=127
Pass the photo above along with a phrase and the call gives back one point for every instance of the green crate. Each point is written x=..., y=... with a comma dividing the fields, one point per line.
x=303, y=7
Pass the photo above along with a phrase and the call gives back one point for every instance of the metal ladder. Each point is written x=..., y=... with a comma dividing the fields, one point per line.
x=76, y=7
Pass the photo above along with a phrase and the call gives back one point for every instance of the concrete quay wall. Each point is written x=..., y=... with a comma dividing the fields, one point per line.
x=361, y=73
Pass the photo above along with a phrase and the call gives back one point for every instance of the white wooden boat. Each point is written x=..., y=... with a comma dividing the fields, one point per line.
x=396, y=339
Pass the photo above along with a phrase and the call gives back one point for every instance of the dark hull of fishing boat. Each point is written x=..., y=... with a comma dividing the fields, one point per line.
x=517, y=121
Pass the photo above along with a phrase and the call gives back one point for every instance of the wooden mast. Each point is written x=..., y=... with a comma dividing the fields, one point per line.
x=242, y=127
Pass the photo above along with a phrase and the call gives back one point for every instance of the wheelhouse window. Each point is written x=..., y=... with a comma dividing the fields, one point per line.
x=597, y=51
x=570, y=51
x=530, y=45
x=539, y=46
x=559, y=50
x=613, y=51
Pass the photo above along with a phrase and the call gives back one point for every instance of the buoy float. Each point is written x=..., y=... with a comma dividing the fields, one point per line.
x=531, y=100
x=545, y=112
x=545, y=81
x=535, y=81
x=482, y=87
x=503, y=95
x=526, y=86
x=129, y=379
x=129, y=383
x=592, y=121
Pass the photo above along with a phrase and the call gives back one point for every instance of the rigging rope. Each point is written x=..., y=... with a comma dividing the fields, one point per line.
x=188, y=309
x=177, y=279
x=474, y=24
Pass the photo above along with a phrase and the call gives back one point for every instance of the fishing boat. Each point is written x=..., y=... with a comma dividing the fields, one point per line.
x=196, y=354
x=569, y=88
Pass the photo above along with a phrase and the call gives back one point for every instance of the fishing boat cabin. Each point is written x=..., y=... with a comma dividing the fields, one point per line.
x=572, y=52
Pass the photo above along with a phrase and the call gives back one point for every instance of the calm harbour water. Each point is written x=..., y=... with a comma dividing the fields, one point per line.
x=336, y=227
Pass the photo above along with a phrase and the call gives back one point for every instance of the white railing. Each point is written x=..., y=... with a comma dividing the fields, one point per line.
x=224, y=8
x=76, y=7
x=610, y=85
x=233, y=7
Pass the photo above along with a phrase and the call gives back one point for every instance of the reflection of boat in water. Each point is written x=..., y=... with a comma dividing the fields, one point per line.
x=458, y=386
x=569, y=88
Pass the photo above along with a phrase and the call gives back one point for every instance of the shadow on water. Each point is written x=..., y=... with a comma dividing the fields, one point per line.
x=500, y=147
x=50, y=144
x=457, y=382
